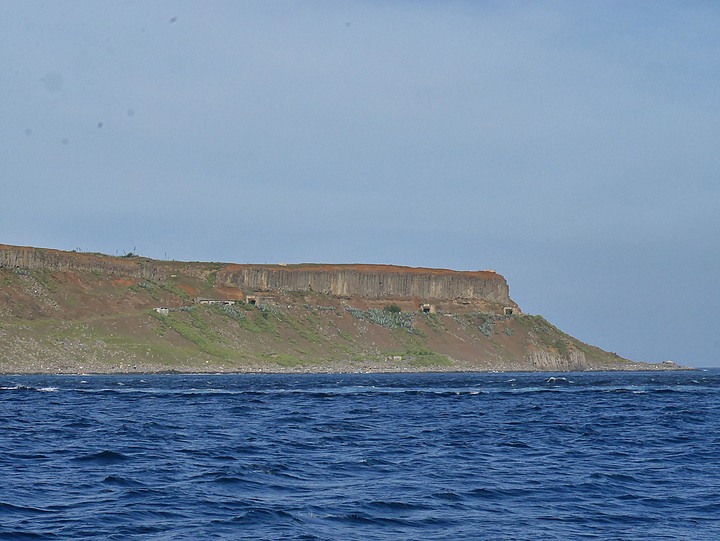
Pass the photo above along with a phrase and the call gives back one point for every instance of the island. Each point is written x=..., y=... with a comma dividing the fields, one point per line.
x=76, y=312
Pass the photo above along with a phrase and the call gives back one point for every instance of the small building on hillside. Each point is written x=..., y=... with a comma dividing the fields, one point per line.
x=257, y=300
x=215, y=302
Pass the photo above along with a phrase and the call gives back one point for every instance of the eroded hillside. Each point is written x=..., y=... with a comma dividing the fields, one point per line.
x=67, y=312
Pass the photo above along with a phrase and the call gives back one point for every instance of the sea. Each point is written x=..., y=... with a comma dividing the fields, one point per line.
x=541, y=456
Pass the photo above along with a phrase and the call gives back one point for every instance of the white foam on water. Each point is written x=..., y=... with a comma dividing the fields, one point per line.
x=26, y=388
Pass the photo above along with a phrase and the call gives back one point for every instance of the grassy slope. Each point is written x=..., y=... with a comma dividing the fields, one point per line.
x=79, y=321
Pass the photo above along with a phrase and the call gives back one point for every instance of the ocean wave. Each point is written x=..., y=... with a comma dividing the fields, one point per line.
x=22, y=509
x=103, y=457
x=364, y=519
x=120, y=481
x=263, y=515
x=558, y=380
x=361, y=457
x=30, y=388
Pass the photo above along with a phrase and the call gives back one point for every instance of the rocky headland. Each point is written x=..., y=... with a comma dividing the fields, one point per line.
x=71, y=312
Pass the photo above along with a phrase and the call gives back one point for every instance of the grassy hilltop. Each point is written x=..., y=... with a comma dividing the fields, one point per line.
x=88, y=317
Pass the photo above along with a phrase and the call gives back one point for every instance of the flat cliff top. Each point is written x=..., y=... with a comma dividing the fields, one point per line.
x=88, y=258
x=370, y=269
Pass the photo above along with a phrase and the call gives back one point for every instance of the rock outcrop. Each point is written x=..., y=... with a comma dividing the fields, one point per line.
x=57, y=260
x=364, y=281
x=374, y=282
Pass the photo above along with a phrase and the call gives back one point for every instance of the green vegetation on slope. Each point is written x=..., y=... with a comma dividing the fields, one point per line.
x=102, y=321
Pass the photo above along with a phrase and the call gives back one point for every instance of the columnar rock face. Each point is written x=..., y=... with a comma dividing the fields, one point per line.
x=57, y=260
x=374, y=281
x=366, y=281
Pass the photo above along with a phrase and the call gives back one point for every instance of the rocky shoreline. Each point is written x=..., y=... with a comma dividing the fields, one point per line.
x=339, y=367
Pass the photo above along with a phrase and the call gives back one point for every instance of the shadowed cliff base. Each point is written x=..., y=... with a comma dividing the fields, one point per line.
x=67, y=312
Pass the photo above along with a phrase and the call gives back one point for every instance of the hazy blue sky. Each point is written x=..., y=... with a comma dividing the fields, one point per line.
x=572, y=146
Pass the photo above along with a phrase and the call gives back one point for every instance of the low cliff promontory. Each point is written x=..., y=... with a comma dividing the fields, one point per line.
x=79, y=312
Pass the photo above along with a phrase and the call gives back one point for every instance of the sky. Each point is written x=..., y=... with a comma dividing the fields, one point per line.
x=573, y=147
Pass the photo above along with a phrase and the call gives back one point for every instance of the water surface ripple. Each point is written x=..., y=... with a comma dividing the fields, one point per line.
x=323, y=457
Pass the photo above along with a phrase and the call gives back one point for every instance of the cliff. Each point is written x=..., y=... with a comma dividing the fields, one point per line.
x=374, y=282
x=480, y=288
x=23, y=257
x=78, y=312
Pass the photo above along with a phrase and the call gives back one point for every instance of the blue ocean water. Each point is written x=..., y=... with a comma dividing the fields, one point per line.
x=390, y=456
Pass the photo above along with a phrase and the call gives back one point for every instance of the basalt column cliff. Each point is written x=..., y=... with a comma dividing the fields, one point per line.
x=485, y=289
x=478, y=289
